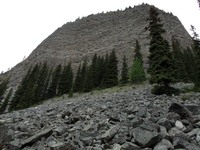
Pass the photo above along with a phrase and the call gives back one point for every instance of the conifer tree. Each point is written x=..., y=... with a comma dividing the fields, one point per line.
x=83, y=75
x=77, y=81
x=53, y=88
x=161, y=66
x=124, y=73
x=41, y=81
x=5, y=103
x=137, y=69
x=88, y=86
x=111, y=77
x=66, y=80
x=20, y=91
x=180, y=70
x=196, y=50
x=3, y=87
x=94, y=71
x=100, y=70
x=105, y=71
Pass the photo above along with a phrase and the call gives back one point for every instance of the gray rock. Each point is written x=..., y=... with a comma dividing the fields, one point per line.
x=181, y=110
x=163, y=145
x=130, y=146
x=110, y=133
x=146, y=135
x=58, y=146
x=36, y=137
x=179, y=142
x=164, y=122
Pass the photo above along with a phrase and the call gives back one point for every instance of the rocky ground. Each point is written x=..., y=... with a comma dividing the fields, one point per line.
x=126, y=119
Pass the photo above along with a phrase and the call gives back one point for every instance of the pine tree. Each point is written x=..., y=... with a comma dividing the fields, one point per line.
x=111, y=77
x=53, y=88
x=40, y=88
x=180, y=70
x=3, y=87
x=161, y=64
x=196, y=50
x=20, y=91
x=77, y=81
x=88, y=86
x=94, y=71
x=66, y=80
x=137, y=70
x=124, y=73
x=83, y=75
x=5, y=103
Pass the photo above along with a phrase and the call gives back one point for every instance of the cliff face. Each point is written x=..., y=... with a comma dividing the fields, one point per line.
x=100, y=34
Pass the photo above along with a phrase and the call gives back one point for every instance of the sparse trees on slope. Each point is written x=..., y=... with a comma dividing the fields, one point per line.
x=5, y=103
x=161, y=64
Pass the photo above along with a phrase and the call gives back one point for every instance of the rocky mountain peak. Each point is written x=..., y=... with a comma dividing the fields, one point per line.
x=100, y=33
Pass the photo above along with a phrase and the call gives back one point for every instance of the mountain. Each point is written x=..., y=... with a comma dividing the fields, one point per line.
x=100, y=33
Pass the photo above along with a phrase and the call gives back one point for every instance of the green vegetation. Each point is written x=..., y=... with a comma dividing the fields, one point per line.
x=124, y=73
x=137, y=70
x=161, y=63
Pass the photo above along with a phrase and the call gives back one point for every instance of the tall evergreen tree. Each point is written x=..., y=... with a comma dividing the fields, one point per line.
x=53, y=88
x=66, y=80
x=161, y=64
x=41, y=81
x=83, y=75
x=77, y=81
x=111, y=78
x=5, y=103
x=3, y=87
x=137, y=70
x=124, y=73
x=20, y=91
x=89, y=85
x=180, y=70
x=196, y=50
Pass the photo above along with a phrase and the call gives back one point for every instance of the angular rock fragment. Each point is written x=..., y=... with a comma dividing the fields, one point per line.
x=106, y=137
x=31, y=140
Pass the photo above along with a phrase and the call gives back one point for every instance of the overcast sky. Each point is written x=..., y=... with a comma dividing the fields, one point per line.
x=24, y=24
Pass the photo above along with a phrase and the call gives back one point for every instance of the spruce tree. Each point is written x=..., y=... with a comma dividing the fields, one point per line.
x=3, y=87
x=124, y=73
x=20, y=91
x=5, y=103
x=88, y=86
x=66, y=80
x=161, y=64
x=180, y=70
x=77, y=81
x=137, y=70
x=111, y=77
x=42, y=79
x=83, y=75
x=196, y=50
x=53, y=88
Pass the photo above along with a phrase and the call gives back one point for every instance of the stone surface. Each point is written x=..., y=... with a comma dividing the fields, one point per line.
x=103, y=120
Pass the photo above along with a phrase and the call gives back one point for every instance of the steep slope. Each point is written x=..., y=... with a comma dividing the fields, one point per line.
x=100, y=33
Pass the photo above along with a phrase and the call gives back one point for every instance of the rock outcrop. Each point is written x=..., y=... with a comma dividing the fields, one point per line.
x=100, y=34
x=106, y=121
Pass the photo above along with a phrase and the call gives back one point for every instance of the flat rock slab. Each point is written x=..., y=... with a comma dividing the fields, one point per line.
x=31, y=140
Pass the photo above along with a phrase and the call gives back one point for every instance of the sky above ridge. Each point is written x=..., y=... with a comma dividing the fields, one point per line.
x=24, y=24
